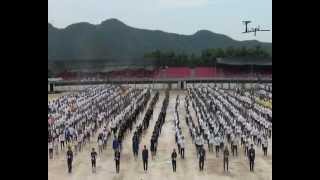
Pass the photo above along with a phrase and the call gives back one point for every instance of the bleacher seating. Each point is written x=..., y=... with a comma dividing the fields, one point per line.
x=171, y=72
x=177, y=72
x=204, y=72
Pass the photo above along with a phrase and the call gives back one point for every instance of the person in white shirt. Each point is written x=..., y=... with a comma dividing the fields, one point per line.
x=80, y=141
x=57, y=131
x=216, y=143
x=50, y=147
x=231, y=140
x=265, y=146
x=56, y=146
x=92, y=129
x=105, y=139
x=211, y=142
x=100, y=143
x=62, y=139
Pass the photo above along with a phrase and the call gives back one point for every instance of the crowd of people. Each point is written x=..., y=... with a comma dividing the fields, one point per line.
x=216, y=117
x=129, y=117
x=226, y=118
x=143, y=125
x=158, y=126
x=178, y=135
x=195, y=134
x=73, y=119
x=120, y=123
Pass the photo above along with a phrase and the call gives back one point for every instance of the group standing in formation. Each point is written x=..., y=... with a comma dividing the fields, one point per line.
x=217, y=118
x=158, y=126
x=226, y=117
x=74, y=119
x=143, y=126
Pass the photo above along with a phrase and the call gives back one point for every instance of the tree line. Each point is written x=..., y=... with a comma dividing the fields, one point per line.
x=207, y=57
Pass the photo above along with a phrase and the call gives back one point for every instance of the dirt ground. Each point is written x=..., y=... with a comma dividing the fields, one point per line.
x=160, y=168
x=57, y=95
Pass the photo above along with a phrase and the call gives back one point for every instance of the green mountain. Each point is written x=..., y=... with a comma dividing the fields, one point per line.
x=115, y=41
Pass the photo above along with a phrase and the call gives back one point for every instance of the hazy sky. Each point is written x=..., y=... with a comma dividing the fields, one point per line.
x=176, y=16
